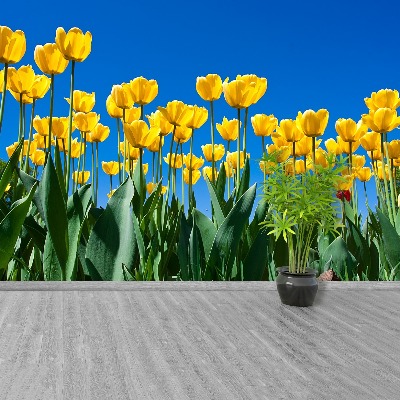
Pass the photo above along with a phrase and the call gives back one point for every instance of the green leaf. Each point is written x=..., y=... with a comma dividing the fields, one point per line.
x=228, y=236
x=51, y=265
x=207, y=230
x=6, y=174
x=37, y=233
x=10, y=227
x=391, y=240
x=221, y=183
x=244, y=180
x=256, y=259
x=55, y=215
x=60, y=175
x=183, y=247
x=195, y=253
x=77, y=210
x=216, y=202
x=358, y=246
x=111, y=242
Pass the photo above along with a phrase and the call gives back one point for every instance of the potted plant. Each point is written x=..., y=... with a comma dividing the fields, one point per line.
x=302, y=203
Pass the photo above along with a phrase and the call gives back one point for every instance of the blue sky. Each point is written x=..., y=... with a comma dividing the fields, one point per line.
x=314, y=54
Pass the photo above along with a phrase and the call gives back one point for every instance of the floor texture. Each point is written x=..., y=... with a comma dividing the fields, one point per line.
x=197, y=340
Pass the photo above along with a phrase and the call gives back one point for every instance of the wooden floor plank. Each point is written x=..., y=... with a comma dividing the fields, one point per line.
x=198, y=342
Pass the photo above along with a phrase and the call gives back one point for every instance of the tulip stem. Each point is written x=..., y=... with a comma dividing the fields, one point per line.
x=51, y=113
x=20, y=133
x=238, y=155
x=123, y=165
x=141, y=183
x=393, y=206
x=159, y=164
x=79, y=165
x=175, y=156
x=65, y=160
x=93, y=178
x=71, y=104
x=190, y=172
x=119, y=155
x=183, y=186
x=230, y=168
x=313, y=152
x=170, y=160
x=153, y=167
x=383, y=138
x=30, y=136
x=84, y=151
x=212, y=141
x=3, y=97
x=110, y=183
x=294, y=157
x=97, y=170
x=246, y=114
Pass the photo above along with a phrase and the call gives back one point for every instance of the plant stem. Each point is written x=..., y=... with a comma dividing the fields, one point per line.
x=110, y=183
x=30, y=135
x=212, y=141
x=119, y=153
x=190, y=172
x=246, y=113
x=123, y=165
x=3, y=97
x=141, y=183
x=51, y=113
x=71, y=101
x=238, y=155
x=183, y=186
x=97, y=170
x=170, y=160
x=385, y=179
x=230, y=168
x=93, y=177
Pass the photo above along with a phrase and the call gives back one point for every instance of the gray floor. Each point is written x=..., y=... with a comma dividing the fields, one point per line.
x=197, y=340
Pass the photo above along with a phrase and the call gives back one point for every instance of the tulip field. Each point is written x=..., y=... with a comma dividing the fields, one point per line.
x=52, y=226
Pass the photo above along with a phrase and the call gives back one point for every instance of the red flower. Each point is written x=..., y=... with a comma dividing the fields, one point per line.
x=343, y=194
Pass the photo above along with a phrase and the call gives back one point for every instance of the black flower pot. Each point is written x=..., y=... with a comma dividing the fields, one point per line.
x=297, y=289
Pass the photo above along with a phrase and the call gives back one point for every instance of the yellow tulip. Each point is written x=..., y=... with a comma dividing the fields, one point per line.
x=320, y=159
x=40, y=87
x=346, y=184
x=182, y=134
x=358, y=161
x=195, y=175
x=81, y=177
x=375, y=155
x=2, y=80
x=396, y=162
x=384, y=98
x=364, y=174
x=41, y=125
x=239, y=94
x=231, y=159
x=264, y=125
x=382, y=120
x=198, y=118
x=12, y=45
x=49, y=59
x=267, y=166
x=111, y=167
x=333, y=147
x=74, y=45
x=86, y=122
x=83, y=101
x=75, y=149
x=197, y=162
x=228, y=169
x=60, y=127
x=208, y=171
x=312, y=123
x=219, y=151
x=393, y=148
x=25, y=99
x=112, y=109
x=40, y=140
x=131, y=151
x=99, y=133
x=304, y=146
x=151, y=186
x=32, y=148
x=21, y=80
x=157, y=119
x=11, y=148
x=143, y=91
x=289, y=131
x=228, y=129
x=345, y=146
x=279, y=140
x=380, y=171
x=176, y=112
x=299, y=167
x=155, y=144
x=38, y=157
x=174, y=161
x=349, y=130
x=209, y=87
x=139, y=135
x=371, y=141
x=260, y=86
x=135, y=163
x=122, y=96
x=132, y=114
x=282, y=152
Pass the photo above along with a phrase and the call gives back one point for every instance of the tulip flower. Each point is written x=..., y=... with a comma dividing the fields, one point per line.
x=132, y=152
x=10, y=149
x=74, y=45
x=158, y=119
x=333, y=147
x=299, y=167
x=384, y=98
x=182, y=134
x=375, y=155
x=347, y=147
x=59, y=127
x=76, y=149
x=380, y=173
x=393, y=148
x=38, y=157
x=99, y=133
x=195, y=176
x=289, y=131
x=228, y=129
x=176, y=112
x=113, y=110
x=282, y=153
x=346, y=183
x=12, y=49
x=82, y=101
x=238, y=93
x=219, y=151
x=143, y=91
x=174, y=160
x=41, y=125
x=371, y=141
x=110, y=168
x=49, y=59
x=197, y=162
x=21, y=80
x=349, y=130
x=132, y=114
x=122, y=96
x=267, y=167
x=364, y=174
x=86, y=122
x=207, y=171
x=264, y=125
x=320, y=159
x=382, y=120
x=232, y=158
x=209, y=87
x=228, y=170
x=312, y=124
x=358, y=162
x=40, y=141
x=151, y=186
x=156, y=144
x=81, y=177
x=304, y=146
x=21, y=98
x=198, y=117
x=139, y=135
